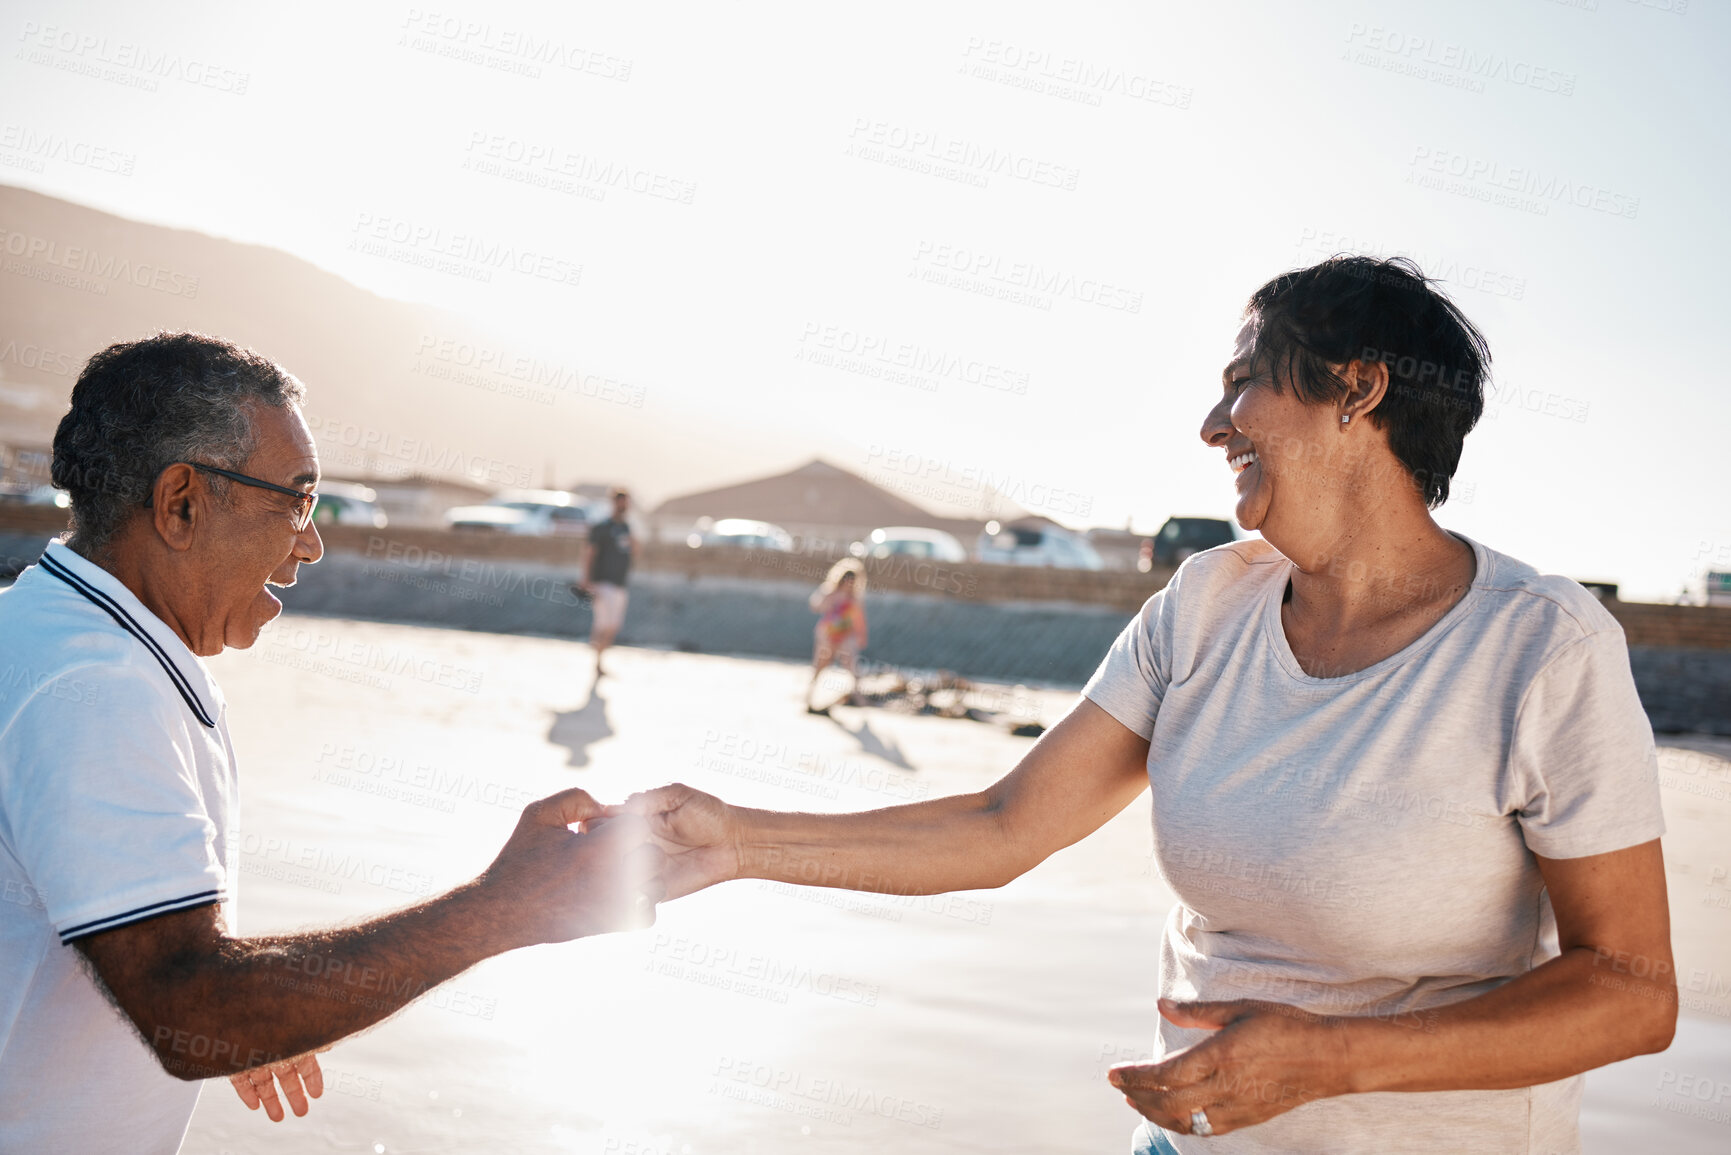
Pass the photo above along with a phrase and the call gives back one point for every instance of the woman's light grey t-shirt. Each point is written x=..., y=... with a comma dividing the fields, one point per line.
x=1364, y=845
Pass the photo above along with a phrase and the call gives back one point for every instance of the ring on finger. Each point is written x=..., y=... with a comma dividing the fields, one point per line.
x=1199, y=1124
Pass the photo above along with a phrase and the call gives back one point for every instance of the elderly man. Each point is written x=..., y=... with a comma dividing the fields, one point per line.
x=192, y=477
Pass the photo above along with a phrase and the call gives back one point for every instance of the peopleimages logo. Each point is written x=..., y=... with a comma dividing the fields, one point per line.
x=467, y=254
x=519, y=50
x=991, y=268
x=926, y=364
x=39, y=147
x=1478, y=276
x=1069, y=77
x=1426, y=57
x=335, y=865
x=494, y=154
x=387, y=452
x=942, y=479
x=744, y=755
x=88, y=54
x=880, y=139
x=359, y=660
x=55, y=684
x=539, y=376
x=1520, y=186
x=95, y=263
x=797, y=1092
x=760, y=975
x=43, y=360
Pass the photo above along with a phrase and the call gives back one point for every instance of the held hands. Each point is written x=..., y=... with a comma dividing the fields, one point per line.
x=1266, y=1059
x=548, y=884
x=299, y=1076
x=556, y=885
x=698, y=833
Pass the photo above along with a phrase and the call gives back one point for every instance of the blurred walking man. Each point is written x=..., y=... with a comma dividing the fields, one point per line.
x=192, y=475
x=606, y=567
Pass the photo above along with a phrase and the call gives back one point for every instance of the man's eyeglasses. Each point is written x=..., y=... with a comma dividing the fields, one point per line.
x=304, y=505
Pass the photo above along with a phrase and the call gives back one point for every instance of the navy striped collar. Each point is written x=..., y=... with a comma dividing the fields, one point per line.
x=106, y=592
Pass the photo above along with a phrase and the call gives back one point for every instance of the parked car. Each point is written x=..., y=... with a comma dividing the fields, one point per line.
x=910, y=541
x=1033, y=543
x=536, y=512
x=346, y=503
x=740, y=533
x=1182, y=536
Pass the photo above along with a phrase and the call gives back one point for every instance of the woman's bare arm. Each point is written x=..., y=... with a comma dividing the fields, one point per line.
x=1611, y=994
x=1078, y=775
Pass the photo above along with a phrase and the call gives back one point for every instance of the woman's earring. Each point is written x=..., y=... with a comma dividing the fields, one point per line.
x=1345, y=418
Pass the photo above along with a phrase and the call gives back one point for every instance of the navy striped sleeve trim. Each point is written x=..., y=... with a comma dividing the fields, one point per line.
x=126, y=622
x=140, y=914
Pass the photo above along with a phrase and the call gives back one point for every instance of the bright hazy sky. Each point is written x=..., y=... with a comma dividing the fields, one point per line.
x=1562, y=165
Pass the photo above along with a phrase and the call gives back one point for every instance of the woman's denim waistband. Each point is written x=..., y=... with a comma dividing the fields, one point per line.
x=1150, y=1140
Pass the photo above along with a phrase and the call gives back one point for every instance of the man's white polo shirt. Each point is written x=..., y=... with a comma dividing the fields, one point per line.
x=117, y=790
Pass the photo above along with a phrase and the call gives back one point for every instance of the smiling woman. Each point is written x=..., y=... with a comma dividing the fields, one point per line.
x=1302, y=327
x=1353, y=339
x=1402, y=785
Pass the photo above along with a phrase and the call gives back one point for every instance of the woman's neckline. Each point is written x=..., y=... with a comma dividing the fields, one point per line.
x=1275, y=629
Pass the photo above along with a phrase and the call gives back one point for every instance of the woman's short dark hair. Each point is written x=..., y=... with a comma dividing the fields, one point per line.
x=140, y=406
x=1356, y=308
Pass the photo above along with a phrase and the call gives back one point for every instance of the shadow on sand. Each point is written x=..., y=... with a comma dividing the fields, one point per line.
x=578, y=729
x=870, y=743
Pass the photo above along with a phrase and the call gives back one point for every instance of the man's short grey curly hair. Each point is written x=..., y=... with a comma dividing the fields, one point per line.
x=140, y=406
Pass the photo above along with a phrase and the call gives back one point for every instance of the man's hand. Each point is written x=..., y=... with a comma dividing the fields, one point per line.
x=554, y=885
x=698, y=832
x=299, y=1076
x=1266, y=1060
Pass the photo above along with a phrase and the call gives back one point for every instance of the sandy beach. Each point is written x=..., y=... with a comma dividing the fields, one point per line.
x=381, y=763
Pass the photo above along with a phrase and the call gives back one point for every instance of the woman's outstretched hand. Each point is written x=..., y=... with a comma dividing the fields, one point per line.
x=1266, y=1059
x=698, y=832
x=300, y=1077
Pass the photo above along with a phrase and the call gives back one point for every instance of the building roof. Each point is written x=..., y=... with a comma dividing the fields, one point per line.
x=815, y=494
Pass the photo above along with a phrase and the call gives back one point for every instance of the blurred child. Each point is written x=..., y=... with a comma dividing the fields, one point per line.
x=841, y=627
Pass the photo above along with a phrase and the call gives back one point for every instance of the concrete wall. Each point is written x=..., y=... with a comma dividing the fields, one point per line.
x=965, y=582
x=1684, y=689
x=991, y=622
x=1053, y=643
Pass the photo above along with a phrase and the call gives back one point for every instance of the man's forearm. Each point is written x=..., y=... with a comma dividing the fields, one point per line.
x=258, y=1000
x=212, y=1004
x=952, y=843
